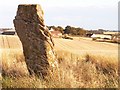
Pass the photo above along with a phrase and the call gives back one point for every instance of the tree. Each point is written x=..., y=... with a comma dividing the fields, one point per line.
x=59, y=28
x=67, y=29
x=74, y=31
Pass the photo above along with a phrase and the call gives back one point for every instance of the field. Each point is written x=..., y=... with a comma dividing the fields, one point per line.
x=84, y=62
x=12, y=54
x=77, y=46
x=82, y=46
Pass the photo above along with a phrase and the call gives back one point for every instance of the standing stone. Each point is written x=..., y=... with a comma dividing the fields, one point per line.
x=35, y=37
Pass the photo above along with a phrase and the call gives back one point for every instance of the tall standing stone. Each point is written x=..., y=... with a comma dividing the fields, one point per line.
x=35, y=37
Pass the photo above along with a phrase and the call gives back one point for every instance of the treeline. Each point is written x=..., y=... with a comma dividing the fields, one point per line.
x=69, y=30
x=74, y=31
x=58, y=28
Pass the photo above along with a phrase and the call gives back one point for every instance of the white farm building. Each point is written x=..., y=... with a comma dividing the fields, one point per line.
x=101, y=36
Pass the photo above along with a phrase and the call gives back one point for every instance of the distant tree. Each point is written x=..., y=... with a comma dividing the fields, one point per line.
x=67, y=30
x=59, y=28
x=82, y=32
x=74, y=31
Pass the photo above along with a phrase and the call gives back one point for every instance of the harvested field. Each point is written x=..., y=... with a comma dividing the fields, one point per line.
x=12, y=55
x=86, y=63
x=78, y=46
x=82, y=46
x=11, y=48
x=10, y=42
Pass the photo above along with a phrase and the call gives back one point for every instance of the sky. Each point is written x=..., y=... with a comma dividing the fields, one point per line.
x=87, y=14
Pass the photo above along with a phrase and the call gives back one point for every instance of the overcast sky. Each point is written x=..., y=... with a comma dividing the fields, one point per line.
x=87, y=14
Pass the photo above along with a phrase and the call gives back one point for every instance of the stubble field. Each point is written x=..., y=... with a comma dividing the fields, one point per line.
x=85, y=62
x=77, y=46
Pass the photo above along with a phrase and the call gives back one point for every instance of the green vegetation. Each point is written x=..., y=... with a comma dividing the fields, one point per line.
x=69, y=30
x=74, y=31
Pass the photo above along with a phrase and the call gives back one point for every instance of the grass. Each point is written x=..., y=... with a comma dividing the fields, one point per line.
x=13, y=62
x=73, y=71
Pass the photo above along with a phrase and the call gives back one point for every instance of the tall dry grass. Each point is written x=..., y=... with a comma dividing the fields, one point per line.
x=88, y=71
x=73, y=71
x=13, y=63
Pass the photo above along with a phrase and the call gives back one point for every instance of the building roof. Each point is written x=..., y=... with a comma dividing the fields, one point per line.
x=100, y=36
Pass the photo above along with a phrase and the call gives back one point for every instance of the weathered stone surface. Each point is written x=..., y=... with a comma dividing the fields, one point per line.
x=35, y=37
